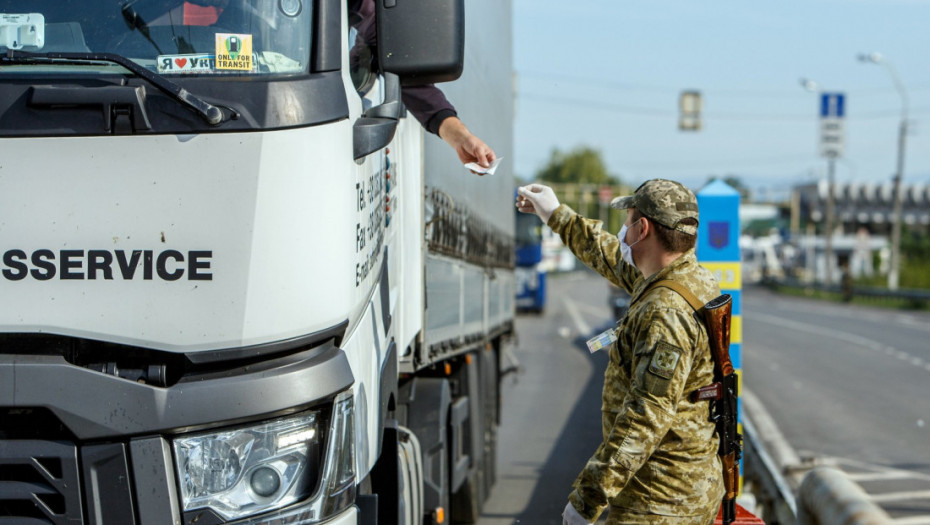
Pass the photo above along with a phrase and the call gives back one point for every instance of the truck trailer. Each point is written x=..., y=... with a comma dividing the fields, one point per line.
x=239, y=282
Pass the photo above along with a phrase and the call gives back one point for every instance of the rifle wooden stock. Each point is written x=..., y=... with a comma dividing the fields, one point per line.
x=717, y=318
x=730, y=475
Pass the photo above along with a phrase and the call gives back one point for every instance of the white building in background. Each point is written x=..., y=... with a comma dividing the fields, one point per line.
x=865, y=205
x=863, y=215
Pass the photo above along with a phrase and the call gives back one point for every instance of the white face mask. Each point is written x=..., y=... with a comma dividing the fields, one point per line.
x=626, y=250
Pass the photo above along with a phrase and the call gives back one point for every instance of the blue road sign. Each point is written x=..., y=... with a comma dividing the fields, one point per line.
x=832, y=105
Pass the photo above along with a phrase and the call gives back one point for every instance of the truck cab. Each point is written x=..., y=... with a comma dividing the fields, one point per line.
x=214, y=260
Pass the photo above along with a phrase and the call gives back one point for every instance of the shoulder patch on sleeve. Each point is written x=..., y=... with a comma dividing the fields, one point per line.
x=665, y=360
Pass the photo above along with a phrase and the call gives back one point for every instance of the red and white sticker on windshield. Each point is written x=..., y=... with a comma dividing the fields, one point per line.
x=186, y=63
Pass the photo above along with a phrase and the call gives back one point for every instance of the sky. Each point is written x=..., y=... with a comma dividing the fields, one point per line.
x=608, y=74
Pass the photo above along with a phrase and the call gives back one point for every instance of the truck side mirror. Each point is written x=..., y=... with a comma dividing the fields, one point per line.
x=422, y=41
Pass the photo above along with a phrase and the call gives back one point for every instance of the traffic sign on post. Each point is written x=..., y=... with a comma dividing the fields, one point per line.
x=832, y=128
x=689, y=105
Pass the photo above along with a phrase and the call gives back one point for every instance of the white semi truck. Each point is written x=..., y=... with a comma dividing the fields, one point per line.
x=235, y=289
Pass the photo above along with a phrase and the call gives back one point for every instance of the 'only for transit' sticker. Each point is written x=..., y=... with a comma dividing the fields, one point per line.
x=233, y=51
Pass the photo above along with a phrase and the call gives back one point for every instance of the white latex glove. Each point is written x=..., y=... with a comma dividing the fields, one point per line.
x=570, y=516
x=537, y=199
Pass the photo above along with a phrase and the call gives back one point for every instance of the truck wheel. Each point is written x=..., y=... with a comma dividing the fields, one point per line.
x=397, y=478
x=465, y=508
x=409, y=478
x=490, y=378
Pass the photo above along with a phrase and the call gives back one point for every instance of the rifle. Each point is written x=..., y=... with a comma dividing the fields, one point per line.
x=723, y=395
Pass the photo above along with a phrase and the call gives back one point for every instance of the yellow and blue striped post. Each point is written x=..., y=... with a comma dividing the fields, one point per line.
x=718, y=251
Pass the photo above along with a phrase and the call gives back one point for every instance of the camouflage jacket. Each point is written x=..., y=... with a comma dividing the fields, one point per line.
x=659, y=450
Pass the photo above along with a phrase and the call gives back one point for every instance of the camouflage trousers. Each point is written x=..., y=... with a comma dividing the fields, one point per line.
x=619, y=516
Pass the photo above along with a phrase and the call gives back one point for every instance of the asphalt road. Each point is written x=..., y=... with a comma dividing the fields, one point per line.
x=551, y=408
x=847, y=385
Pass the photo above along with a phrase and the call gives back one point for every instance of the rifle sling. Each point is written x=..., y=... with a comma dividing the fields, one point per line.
x=681, y=289
x=698, y=307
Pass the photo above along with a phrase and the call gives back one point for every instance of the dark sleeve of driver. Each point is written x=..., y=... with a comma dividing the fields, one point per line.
x=429, y=105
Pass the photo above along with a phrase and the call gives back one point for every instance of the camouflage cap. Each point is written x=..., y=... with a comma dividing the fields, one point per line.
x=664, y=201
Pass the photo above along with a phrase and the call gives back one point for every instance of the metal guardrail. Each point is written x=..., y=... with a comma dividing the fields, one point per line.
x=916, y=296
x=773, y=495
x=790, y=491
x=767, y=461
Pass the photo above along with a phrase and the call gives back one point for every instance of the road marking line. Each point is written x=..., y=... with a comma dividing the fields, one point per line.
x=913, y=520
x=878, y=476
x=899, y=496
x=912, y=322
x=599, y=311
x=804, y=327
x=878, y=468
x=580, y=324
x=849, y=338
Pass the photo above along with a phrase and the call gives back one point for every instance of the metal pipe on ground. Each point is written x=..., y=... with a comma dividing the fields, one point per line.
x=828, y=497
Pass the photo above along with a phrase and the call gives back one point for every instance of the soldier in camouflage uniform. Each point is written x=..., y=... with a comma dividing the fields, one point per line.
x=658, y=461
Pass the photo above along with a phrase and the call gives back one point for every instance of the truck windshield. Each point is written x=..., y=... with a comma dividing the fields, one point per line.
x=169, y=37
x=528, y=229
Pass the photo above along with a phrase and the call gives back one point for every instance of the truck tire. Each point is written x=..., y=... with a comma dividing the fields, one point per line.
x=409, y=478
x=467, y=441
x=490, y=379
x=482, y=377
x=397, y=479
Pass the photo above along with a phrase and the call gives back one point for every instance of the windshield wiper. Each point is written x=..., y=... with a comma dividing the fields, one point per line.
x=210, y=113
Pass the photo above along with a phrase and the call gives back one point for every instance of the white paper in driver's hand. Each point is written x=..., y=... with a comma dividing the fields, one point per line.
x=477, y=168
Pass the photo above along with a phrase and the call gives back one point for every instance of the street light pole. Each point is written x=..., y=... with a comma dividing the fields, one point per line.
x=893, y=271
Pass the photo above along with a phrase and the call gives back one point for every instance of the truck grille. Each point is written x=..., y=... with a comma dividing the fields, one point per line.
x=39, y=482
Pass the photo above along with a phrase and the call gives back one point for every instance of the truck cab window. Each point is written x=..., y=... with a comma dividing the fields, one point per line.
x=177, y=37
x=362, y=40
x=361, y=63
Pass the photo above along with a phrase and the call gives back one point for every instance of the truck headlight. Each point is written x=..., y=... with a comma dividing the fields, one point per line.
x=248, y=470
x=263, y=469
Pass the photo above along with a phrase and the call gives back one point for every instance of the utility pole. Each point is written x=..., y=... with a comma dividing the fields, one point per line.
x=828, y=221
x=894, y=271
